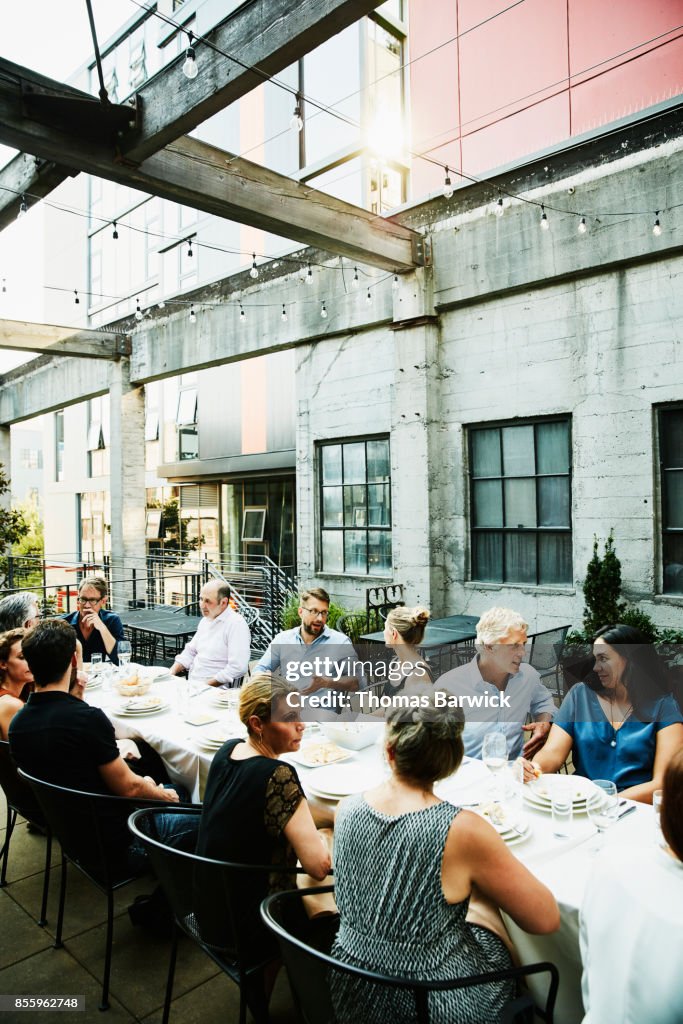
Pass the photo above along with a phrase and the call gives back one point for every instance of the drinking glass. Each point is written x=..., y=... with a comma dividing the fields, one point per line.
x=511, y=788
x=95, y=664
x=562, y=808
x=602, y=806
x=494, y=753
x=657, y=808
x=125, y=652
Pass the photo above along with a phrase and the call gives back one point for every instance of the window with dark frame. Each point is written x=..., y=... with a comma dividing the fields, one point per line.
x=355, y=507
x=671, y=479
x=520, y=502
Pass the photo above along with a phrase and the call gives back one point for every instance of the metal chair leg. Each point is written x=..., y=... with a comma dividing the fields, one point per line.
x=58, y=944
x=11, y=821
x=104, y=1004
x=46, y=880
x=171, y=974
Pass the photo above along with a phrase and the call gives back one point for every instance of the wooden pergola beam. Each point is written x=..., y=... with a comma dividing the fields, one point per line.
x=49, y=339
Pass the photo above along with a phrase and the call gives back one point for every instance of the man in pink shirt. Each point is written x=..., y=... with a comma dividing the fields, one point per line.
x=218, y=653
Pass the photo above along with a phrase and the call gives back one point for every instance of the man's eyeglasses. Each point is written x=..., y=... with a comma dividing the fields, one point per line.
x=316, y=613
x=90, y=600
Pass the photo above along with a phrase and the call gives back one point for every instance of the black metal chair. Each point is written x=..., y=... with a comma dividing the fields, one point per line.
x=208, y=899
x=309, y=971
x=21, y=801
x=546, y=653
x=353, y=625
x=91, y=829
x=378, y=603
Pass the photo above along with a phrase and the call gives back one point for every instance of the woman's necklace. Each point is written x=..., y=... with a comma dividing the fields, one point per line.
x=617, y=723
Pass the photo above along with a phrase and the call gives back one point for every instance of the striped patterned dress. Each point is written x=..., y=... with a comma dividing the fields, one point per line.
x=394, y=919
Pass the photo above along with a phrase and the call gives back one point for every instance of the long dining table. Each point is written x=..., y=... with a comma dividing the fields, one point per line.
x=564, y=865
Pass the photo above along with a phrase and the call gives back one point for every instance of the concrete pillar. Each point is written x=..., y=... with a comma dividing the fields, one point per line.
x=127, y=484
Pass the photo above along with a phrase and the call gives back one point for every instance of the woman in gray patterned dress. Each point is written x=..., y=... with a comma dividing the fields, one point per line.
x=406, y=864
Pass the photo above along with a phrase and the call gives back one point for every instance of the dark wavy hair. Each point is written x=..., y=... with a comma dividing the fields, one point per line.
x=672, y=804
x=645, y=676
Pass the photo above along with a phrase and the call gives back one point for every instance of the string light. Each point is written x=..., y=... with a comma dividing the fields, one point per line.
x=447, y=185
x=243, y=315
x=583, y=227
x=394, y=283
x=189, y=248
x=368, y=297
x=499, y=209
x=193, y=315
x=23, y=208
x=253, y=273
x=161, y=304
x=323, y=311
x=296, y=121
x=114, y=233
x=657, y=227
x=190, y=69
x=77, y=301
x=138, y=311
x=4, y=285
x=283, y=315
x=545, y=223
x=309, y=275
x=355, y=282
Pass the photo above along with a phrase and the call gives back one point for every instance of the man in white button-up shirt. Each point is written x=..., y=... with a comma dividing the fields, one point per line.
x=218, y=653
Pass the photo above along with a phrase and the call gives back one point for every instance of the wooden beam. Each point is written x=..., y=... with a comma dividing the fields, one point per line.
x=198, y=175
x=21, y=336
x=266, y=34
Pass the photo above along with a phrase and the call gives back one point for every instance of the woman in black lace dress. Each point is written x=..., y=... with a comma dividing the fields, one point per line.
x=255, y=811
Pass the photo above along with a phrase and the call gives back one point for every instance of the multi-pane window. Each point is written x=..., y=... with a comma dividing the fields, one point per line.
x=671, y=470
x=355, y=507
x=520, y=492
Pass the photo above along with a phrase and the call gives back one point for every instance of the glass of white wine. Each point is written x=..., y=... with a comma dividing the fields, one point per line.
x=494, y=753
x=602, y=806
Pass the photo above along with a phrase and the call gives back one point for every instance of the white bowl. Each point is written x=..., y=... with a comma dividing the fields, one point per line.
x=353, y=735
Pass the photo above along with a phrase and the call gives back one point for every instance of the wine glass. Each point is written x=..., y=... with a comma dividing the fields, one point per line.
x=602, y=806
x=125, y=652
x=494, y=752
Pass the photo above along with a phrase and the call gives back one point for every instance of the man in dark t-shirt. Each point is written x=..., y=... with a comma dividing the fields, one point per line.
x=59, y=738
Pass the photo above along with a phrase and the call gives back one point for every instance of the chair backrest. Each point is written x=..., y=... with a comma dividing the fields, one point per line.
x=91, y=827
x=547, y=647
x=379, y=601
x=312, y=971
x=353, y=625
x=19, y=794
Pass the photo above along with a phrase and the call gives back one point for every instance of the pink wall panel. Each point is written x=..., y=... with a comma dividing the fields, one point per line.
x=523, y=133
x=649, y=79
x=600, y=29
x=433, y=91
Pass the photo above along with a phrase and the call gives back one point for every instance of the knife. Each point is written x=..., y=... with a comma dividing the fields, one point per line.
x=627, y=811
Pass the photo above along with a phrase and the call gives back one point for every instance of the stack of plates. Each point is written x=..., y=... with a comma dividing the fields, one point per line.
x=226, y=698
x=538, y=794
x=333, y=782
x=212, y=740
x=137, y=706
x=94, y=682
x=511, y=826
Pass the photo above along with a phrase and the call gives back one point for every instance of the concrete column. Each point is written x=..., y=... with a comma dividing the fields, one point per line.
x=127, y=485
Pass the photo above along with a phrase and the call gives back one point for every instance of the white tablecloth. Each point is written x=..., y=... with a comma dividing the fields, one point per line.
x=562, y=864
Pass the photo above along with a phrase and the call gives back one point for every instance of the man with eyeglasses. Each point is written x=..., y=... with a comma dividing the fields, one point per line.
x=499, y=670
x=98, y=629
x=310, y=644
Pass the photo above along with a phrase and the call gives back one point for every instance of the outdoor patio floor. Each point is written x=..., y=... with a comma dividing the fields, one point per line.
x=30, y=966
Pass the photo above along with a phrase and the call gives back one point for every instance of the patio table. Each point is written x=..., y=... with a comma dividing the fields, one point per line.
x=150, y=627
x=450, y=630
x=562, y=864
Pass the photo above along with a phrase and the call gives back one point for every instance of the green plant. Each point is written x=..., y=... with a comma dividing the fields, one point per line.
x=641, y=621
x=602, y=589
x=13, y=526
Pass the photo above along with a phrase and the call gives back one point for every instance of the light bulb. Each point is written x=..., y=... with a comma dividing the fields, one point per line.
x=77, y=301
x=254, y=269
x=368, y=297
x=161, y=304
x=499, y=209
x=193, y=315
x=23, y=208
x=657, y=227
x=296, y=121
x=545, y=223
x=138, y=311
x=189, y=250
x=114, y=233
x=190, y=69
x=355, y=282
x=243, y=315
x=4, y=285
x=394, y=283
x=447, y=186
x=283, y=315
x=309, y=275
x=583, y=227
x=323, y=311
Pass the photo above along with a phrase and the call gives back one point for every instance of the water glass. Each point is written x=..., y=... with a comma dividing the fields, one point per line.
x=562, y=809
x=494, y=753
x=512, y=787
x=602, y=806
x=95, y=664
x=125, y=651
x=657, y=808
x=182, y=695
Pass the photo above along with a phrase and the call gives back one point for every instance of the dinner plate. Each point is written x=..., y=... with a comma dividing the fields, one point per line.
x=513, y=838
x=336, y=781
x=125, y=713
x=547, y=808
x=317, y=754
x=93, y=683
x=504, y=819
x=543, y=788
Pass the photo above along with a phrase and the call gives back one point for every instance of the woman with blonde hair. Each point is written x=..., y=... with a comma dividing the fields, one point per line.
x=404, y=629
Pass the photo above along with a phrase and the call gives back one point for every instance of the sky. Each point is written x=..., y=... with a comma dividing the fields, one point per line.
x=53, y=38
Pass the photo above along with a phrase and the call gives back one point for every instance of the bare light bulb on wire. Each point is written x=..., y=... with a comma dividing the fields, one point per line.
x=193, y=315
x=190, y=69
x=138, y=311
x=447, y=185
x=499, y=209
x=355, y=282
x=545, y=223
x=114, y=233
x=283, y=314
x=253, y=273
x=583, y=227
x=368, y=297
x=296, y=121
x=657, y=227
x=394, y=283
x=309, y=274
x=77, y=301
x=243, y=315
x=190, y=253
x=323, y=311
x=23, y=208
x=4, y=285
